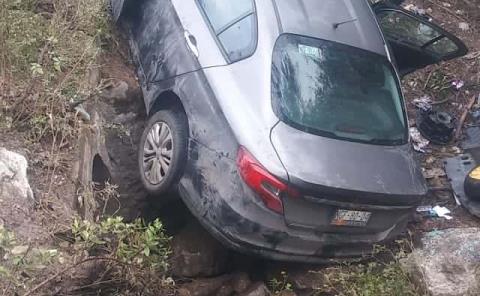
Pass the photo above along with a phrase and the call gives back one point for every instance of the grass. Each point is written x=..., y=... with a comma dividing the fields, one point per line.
x=382, y=275
x=130, y=259
x=371, y=279
x=47, y=51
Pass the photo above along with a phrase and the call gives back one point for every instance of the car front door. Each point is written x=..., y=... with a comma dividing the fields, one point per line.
x=415, y=41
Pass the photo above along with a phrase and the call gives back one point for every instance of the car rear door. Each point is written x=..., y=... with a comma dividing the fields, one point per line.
x=414, y=40
x=171, y=38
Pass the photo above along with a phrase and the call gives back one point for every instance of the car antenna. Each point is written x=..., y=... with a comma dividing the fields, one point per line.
x=336, y=25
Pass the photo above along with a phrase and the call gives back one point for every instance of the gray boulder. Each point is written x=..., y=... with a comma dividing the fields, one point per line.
x=13, y=176
x=257, y=289
x=448, y=264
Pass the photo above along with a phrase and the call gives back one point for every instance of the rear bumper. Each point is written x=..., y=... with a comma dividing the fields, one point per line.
x=290, y=245
x=215, y=193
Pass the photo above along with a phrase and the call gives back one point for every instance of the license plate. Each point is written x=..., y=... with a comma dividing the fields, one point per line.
x=351, y=218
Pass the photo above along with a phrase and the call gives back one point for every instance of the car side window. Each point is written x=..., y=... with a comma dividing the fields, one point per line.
x=404, y=28
x=234, y=24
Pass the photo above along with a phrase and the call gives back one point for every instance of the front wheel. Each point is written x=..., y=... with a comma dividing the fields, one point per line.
x=163, y=151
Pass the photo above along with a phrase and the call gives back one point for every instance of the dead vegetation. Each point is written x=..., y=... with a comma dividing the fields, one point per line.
x=107, y=258
x=47, y=50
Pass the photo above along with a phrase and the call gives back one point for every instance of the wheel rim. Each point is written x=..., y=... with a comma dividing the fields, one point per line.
x=157, y=153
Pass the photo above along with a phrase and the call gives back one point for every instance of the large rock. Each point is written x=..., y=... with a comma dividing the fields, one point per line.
x=207, y=286
x=16, y=198
x=13, y=176
x=196, y=253
x=223, y=285
x=257, y=289
x=448, y=264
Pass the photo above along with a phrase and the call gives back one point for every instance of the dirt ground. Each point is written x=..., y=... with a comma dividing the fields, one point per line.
x=435, y=82
x=50, y=172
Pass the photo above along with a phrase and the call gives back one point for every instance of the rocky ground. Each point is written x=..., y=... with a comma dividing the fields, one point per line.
x=47, y=181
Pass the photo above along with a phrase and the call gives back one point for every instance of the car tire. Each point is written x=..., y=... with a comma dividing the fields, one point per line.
x=162, y=152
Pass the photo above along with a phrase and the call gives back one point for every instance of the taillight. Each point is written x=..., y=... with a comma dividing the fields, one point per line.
x=269, y=188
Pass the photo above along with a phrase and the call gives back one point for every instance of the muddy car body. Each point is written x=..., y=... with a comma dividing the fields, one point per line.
x=236, y=123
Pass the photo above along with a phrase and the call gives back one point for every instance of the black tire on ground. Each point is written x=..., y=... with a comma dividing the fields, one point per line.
x=177, y=122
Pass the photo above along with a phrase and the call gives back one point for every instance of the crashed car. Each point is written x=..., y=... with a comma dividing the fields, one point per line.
x=282, y=123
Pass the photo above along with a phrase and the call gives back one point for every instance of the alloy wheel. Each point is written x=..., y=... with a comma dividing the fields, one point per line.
x=157, y=153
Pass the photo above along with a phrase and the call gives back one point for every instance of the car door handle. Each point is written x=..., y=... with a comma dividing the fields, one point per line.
x=192, y=43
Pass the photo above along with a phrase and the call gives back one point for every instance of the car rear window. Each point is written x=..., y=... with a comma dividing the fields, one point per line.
x=337, y=91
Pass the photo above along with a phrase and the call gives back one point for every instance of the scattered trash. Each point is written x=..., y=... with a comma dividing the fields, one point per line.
x=425, y=211
x=464, y=26
x=437, y=127
x=421, y=209
x=458, y=84
x=437, y=211
x=473, y=55
x=418, y=141
x=457, y=168
x=423, y=103
x=455, y=150
x=442, y=212
x=434, y=173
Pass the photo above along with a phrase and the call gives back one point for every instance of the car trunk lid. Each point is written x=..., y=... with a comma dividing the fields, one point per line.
x=376, y=185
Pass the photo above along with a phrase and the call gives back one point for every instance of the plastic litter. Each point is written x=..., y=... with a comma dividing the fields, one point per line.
x=423, y=103
x=419, y=142
x=458, y=84
x=464, y=26
x=437, y=211
x=457, y=169
x=442, y=212
x=424, y=209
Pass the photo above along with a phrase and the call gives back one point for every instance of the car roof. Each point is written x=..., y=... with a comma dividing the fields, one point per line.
x=316, y=18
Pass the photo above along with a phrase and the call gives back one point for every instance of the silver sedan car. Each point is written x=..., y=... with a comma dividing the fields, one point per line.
x=282, y=123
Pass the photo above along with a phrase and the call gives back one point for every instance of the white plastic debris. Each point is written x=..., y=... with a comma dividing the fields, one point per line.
x=464, y=26
x=458, y=84
x=424, y=209
x=442, y=212
x=419, y=142
x=424, y=103
x=436, y=211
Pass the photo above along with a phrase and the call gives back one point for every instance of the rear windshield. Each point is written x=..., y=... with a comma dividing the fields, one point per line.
x=337, y=91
